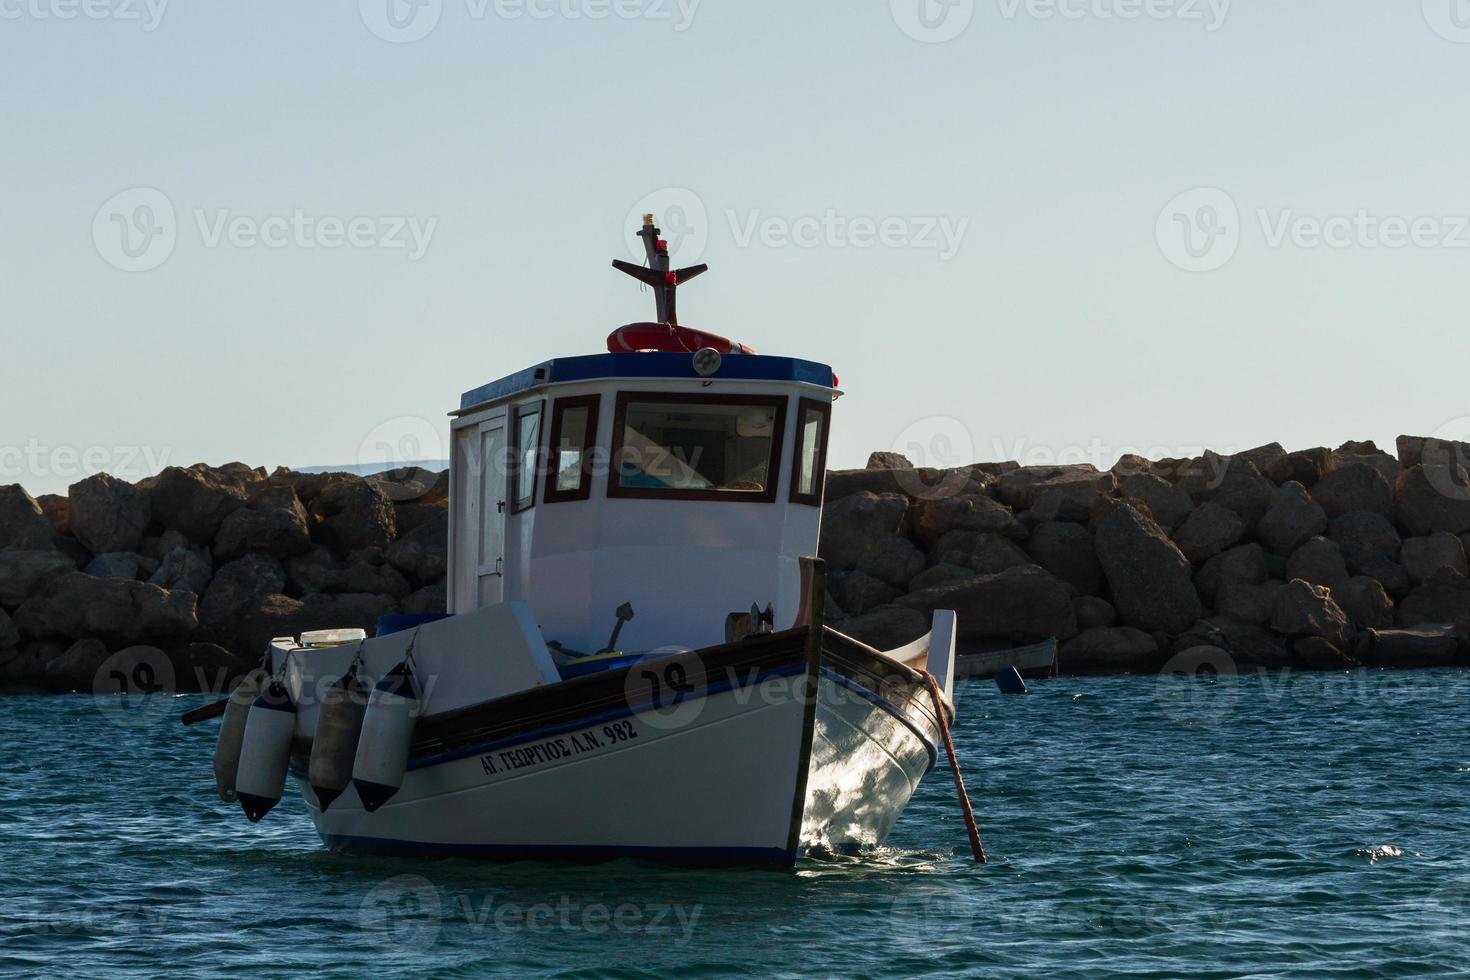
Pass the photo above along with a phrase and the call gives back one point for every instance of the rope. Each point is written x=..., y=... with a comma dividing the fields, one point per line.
x=976, y=846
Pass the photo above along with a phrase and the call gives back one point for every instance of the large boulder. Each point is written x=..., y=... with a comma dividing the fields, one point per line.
x=1365, y=453
x=933, y=519
x=1320, y=562
x=352, y=514
x=236, y=588
x=1304, y=466
x=1371, y=546
x=885, y=628
x=1365, y=602
x=57, y=509
x=1293, y=519
x=1167, y=503
x=917, y=484
x=851, y=526
x=23, y=572
x=1422, y=557
x=429, y=599
x=1233, y=482
x=1303, y=609
x=1242, y=565
x=1244, y=643
x=107, y=515
x=272, y=523
x=9, y=632
x=1023, y=605
x=1433, y=498
x=1208, y=531
x=1110, y=649
x=1149, y=577
x=423, y=553
x=78, y=605
x=1353, y=487
x=194, y=501
x=1428, y=646
x=939, y=575
x=1022, y=488
x=76, y=669
x=859, y=592
x=893, y=560
x=1316, y=653
x=22, y=524
x=889, y=461
x=1444, y=598
x=992, y=553
x=1416, y=450
x=190, y=569
x=1093, y=612
x=1249, y=603
x=1067, y=551
x=121, y=564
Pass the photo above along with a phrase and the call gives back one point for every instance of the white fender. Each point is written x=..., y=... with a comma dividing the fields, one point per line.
x=334, y=746
x=387, y=735
x=232, y=732
x=265, y=754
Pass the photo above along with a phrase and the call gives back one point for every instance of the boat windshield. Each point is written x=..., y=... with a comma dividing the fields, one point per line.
x=697, y=446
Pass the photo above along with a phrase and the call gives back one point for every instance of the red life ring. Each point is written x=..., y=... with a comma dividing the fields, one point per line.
x=670, y=338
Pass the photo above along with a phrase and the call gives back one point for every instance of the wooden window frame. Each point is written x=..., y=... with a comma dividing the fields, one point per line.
x=559, y=408
x=824, y=409
x=616, y=490
x=515, y=503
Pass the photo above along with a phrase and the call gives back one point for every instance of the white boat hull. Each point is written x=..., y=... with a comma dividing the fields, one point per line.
x=745, y=770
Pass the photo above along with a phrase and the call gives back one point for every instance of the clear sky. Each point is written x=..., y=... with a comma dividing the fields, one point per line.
x=290, y=232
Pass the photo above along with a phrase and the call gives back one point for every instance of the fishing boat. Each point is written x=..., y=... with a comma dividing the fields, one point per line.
x=1034, y=660
x=634, y=662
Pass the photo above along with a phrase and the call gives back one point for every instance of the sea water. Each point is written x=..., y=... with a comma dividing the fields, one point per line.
x=1260, y=825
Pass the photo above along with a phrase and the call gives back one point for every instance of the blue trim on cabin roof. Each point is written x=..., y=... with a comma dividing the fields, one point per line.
x=566, y=370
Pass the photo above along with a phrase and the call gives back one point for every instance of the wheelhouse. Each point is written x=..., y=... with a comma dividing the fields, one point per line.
x=686, y=486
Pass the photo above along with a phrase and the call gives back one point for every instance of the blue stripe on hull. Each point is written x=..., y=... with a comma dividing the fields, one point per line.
x=754, y=857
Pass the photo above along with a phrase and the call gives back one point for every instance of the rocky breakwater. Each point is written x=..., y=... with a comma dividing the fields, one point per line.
x=193, y=571
x=1316, y=559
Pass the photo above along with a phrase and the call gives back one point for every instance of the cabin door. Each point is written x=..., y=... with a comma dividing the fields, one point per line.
x=479, y=518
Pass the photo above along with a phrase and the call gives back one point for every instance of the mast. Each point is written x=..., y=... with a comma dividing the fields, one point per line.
x=657, y=274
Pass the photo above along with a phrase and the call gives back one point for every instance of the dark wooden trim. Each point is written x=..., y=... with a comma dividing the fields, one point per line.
x=571, y=701
x=813, y=499
x=593, y=404
x=773, y=471
x=814, y=576
x=516, y=504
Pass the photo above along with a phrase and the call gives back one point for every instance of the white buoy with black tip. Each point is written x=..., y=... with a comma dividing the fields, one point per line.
x=232, y=732
x=334, y=746
x=387, y=735
x=265, y=755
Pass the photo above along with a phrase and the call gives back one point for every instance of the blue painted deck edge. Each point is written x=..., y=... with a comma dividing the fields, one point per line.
x=565, y=370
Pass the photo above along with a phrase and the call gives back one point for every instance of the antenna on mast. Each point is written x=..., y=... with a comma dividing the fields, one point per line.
x=657, y=274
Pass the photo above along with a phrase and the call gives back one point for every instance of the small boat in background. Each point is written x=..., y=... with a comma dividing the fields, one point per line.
x=1036, y=660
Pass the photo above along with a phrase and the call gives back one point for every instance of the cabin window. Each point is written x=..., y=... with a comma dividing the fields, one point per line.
x=573, y=435
x=697, y=447
x=526, y=432
x=809, y=474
